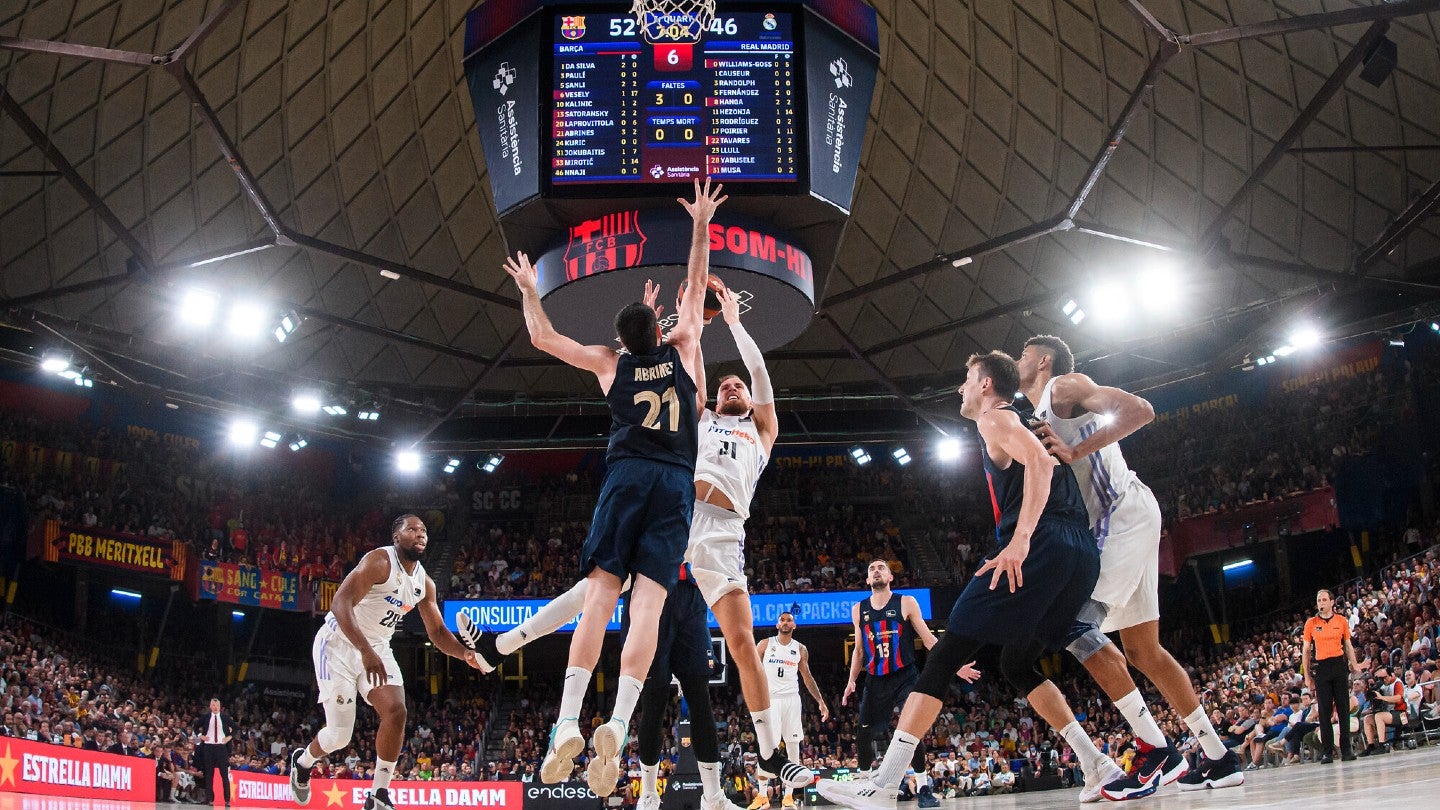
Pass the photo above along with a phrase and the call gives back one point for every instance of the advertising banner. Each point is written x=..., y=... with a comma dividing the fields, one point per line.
x=56, y=542
x=810, y=609
x=1261, y=521
x=248, y=585
x=59, y=770
x=267, y=790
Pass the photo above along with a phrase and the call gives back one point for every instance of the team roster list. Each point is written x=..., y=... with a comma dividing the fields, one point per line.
x=625, y=110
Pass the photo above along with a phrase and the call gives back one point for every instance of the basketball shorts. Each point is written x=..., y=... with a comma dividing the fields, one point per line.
x=642, y=521
x=1129, y=538
x=885, y=693
x=1059, y=572
x=787, y=712
x=716, y=553
x=338, y=668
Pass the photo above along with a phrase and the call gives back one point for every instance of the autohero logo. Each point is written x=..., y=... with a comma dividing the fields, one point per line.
x=835, y=113
x=505, y=115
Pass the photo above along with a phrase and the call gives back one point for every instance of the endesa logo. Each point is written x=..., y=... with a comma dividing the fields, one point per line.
x=600, y=245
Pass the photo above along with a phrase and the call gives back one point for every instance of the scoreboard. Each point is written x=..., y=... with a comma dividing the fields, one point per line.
x=623, y=110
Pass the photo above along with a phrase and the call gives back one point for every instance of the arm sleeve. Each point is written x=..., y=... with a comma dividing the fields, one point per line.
x=760, y=391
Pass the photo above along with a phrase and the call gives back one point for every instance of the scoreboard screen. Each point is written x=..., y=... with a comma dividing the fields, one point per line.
x=624, y=110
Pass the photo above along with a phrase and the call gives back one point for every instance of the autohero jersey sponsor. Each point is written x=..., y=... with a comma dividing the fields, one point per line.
x=782, y=667
x=383, y=607
x=731, y=457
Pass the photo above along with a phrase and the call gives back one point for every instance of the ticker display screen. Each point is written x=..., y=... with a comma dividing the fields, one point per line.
x=624, y=110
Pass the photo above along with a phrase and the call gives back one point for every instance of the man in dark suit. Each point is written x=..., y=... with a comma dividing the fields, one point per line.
x=213, y=752
x=125, y=746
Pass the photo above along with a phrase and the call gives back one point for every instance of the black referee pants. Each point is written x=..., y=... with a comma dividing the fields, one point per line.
x=1332, y=694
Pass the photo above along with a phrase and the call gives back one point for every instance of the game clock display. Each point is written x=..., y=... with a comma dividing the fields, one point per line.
x=624, y=110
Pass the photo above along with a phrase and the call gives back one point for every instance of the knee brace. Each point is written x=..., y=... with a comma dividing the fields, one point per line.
x=1019, y=668
x=946, y=657
x=1086, y=643
x=339, y=725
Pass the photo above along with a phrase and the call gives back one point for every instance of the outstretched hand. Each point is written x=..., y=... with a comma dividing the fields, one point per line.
x=706, y=201
x=652, y=294
x=969, y=673
x=729, y=305
x=520, y=269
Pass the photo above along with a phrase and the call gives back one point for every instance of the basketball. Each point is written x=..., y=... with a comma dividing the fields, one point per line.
x=711, y=307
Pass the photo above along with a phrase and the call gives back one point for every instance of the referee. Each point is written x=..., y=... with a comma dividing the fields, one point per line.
x=213, y=752
x=1327, y=636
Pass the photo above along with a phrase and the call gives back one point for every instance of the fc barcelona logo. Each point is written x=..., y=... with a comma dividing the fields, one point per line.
x=572, y=27
x=600, y=245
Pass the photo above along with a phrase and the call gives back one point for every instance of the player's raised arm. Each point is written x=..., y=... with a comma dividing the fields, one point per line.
x=1128, y=414
x=762, y=394
x=599, y=360
x=697, y=275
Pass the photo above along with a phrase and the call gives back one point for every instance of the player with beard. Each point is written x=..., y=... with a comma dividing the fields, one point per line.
x=886, y=626
x=352, y=655
x=1081, y=425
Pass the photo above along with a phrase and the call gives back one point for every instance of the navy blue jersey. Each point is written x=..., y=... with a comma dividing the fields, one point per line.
x=652, y=410
x=886, y=641
x=1007, y=489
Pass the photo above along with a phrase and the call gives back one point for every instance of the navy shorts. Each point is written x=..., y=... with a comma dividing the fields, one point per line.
x=642, y=521
x=682, y=644
x=1060, y=573
x=885, y=693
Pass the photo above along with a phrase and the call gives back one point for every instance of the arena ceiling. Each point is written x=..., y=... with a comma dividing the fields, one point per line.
x=297, y=150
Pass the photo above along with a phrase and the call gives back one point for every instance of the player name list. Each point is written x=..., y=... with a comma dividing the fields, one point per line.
x=625, y=112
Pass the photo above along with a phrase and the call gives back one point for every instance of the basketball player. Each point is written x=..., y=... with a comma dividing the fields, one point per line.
x=352, y=655
x=886, y=626
x=786, y=663
x=642, y=519
x=1082, y=426
x=1043, y=570
x=682, y=651
x=735, y=442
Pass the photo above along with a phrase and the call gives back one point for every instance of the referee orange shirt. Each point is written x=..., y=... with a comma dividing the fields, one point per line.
x=1328, y=635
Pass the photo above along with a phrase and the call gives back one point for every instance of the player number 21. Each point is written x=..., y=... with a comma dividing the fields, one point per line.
x=655, y=401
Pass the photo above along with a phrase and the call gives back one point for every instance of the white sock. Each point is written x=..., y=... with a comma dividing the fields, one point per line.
x=897, y=760
x=1083, y=746
x=627, y=694
x=1199, y=724
x=577, y=680
x=767, y=736
x=1140, y=719
x=550, y=617
x=384, y=769
x=647, y=778
x=709, y=779
x=305, y=755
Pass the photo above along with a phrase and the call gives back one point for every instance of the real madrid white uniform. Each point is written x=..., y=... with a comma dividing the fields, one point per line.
x=1125, y=518
x=338, y=668
x=782, y=673
x=731, y=458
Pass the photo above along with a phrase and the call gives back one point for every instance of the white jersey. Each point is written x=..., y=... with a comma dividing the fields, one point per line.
x=731, y=457
x=384, y=606
x=1104, y=477
x=782, y=667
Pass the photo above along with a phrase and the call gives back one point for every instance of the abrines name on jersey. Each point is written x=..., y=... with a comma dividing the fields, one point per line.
x=658, y=372
x=735, y=434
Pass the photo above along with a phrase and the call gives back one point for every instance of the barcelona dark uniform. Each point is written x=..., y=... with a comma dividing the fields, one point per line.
x=887, y=646
x=1059, y=572
x=642, y=519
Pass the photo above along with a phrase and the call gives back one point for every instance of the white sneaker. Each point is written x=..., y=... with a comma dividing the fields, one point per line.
x=648, y=801
x=565, y=744
x=604, y=769
x=1095, y=782
x=861, y=795
x=716, y=802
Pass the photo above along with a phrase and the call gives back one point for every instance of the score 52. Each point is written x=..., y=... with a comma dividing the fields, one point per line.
x=675, y=56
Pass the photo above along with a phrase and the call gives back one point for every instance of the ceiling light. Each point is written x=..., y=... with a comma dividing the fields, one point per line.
x=1305, y=337
x=961, y=262
x=298, y=445
x=335, y=410
x=369, y=416
x=269, y=440
x=861, y=457
x=1112, y=302
x=948, y=449
x=247, y=319
x=54, y=364
x=243, y=432
x=407, y=461
x=197, y=307
x=492, y=463
x=1238, y=564
x=902, y=456
x=289, y=322
x=1283, y=351
x=306, y=403
x=1158, y=288
x=1073, y=311
x=1434, y=326
x=451, y=465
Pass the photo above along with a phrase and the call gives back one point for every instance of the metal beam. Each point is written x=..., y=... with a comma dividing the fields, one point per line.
x=1162, y=55
x=1150, y=20
x=61, y=292
x=1327, y=91
x=390, y=334
x=1308, y=22
x=25, y=173
x=880, y=375
x=1330, y=150
x=217, y=255
x=26, y=44
x=999, y=243
x=358, y=257
x=206, y=28
x=1337, y=276
x=1406, y=221
x=1028, y=302
x=10, y=107
x=1122, y=235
